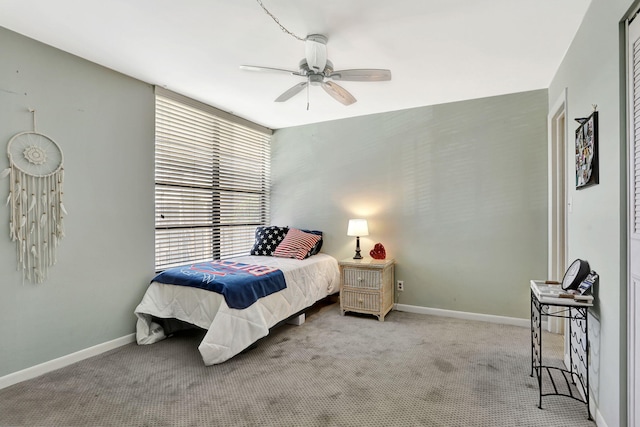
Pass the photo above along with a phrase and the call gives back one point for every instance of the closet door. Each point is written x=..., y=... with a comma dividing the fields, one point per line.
x=633, y=96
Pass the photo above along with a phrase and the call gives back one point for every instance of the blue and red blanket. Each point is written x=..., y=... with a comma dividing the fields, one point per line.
x=240, y=284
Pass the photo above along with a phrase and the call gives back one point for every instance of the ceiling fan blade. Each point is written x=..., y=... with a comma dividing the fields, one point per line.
x=290, y=92
x=362, y=75
x=269, y=69
x=339, y=93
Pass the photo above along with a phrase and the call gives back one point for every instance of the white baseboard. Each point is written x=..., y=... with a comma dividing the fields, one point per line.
x=597, y=416
x=525, y=323
x=61, y=362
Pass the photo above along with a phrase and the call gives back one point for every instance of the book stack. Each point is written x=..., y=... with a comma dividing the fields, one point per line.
x=549, y=292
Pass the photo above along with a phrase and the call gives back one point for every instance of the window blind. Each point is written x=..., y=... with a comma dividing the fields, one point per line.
x=212, y=182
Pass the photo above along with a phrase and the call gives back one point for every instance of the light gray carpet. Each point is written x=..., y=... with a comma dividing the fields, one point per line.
x=411, y=370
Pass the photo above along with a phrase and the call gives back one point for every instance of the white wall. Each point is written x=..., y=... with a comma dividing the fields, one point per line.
x=457, y=193
x=592, y=73
x=104, y=123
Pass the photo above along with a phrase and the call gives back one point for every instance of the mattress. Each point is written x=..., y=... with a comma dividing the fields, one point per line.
x=229, y=330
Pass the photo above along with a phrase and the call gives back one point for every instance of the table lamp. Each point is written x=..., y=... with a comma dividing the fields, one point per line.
x=357, y=228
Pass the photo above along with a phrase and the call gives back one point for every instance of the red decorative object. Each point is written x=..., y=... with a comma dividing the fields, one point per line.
x=378, y=252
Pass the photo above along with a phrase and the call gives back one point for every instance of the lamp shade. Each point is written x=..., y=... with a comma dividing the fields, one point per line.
x=358, y=227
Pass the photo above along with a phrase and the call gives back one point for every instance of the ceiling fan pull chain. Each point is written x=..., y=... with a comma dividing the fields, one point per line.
x=309, y=84
x=278, y=22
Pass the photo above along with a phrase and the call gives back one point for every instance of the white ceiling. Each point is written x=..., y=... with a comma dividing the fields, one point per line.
x=437, y=50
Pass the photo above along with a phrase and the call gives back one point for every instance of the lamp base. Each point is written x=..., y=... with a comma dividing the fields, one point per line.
x=357, y=255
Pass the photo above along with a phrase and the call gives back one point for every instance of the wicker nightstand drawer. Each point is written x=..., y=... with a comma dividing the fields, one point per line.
x=361, y=278
x=360, y=301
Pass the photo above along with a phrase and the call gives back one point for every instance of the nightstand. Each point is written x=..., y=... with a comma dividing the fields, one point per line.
x=366, y=286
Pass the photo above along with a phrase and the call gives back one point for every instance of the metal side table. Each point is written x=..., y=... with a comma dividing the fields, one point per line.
x=562, y=379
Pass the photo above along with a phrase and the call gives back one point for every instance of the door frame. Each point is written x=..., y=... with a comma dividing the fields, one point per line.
x=557, y=129
x=633, y=275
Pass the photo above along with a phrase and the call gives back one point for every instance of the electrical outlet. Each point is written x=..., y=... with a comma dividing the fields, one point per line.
x=400, y=286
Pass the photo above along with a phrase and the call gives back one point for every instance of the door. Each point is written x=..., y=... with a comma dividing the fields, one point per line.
x=633, y=223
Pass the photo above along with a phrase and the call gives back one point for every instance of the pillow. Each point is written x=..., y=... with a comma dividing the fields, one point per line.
x=296, y=244
x=316, y=248
x=267, y=239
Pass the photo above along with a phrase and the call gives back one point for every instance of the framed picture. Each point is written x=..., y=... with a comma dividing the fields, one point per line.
x=587, y=151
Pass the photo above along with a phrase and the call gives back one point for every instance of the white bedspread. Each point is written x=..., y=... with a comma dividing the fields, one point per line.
x=229, y=331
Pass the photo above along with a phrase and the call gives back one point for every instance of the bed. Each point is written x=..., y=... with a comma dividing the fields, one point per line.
x=232, y=330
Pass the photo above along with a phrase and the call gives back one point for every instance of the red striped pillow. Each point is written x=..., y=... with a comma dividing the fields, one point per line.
x=296, y=244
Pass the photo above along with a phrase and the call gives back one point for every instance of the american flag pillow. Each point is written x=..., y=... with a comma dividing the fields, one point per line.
x=267, y=239
x=296, y=244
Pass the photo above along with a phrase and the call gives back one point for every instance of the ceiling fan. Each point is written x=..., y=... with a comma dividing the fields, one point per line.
x=318, y=71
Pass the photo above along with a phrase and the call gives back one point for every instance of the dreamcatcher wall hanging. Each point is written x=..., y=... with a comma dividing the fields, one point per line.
x=35, y=198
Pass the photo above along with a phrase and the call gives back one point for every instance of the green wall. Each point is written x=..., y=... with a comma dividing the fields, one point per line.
x=593, y=73
x=104, y=123
x=457, y=194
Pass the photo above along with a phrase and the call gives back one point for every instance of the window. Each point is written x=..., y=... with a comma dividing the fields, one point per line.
x=212, y=181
